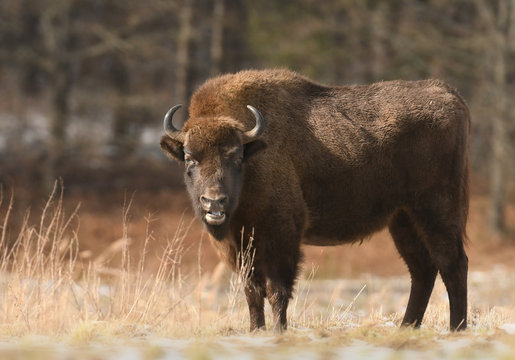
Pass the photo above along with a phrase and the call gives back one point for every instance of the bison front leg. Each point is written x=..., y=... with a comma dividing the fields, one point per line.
x=255, y=293
x=278, y=296
x=280, y=280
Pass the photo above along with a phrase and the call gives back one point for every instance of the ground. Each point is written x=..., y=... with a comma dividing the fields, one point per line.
x=330, y=319
x=156, y=291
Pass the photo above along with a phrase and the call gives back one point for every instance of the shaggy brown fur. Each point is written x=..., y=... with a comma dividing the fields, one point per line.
x=340, y=164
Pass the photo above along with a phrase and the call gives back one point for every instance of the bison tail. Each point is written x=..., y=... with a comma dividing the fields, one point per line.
x=464, y=185
x=463, y=159
x=465, y=193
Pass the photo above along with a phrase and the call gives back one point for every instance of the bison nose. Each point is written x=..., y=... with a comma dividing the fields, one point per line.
x=216, y=203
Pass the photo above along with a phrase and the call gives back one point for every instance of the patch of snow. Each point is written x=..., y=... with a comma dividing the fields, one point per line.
x=128, y=354
x=362, y=350
x=509, y=328
x=454, y=345
x=257, y=341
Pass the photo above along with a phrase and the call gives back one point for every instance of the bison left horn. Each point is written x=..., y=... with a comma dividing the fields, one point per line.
x=258, y=129
x=171, y=130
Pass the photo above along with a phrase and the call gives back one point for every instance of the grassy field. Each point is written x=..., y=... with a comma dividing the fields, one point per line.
x=140, y=298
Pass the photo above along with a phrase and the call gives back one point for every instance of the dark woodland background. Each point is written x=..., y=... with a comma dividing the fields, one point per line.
x=85, y=85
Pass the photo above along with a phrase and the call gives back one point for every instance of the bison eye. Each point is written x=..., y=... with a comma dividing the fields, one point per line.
x=238, y=161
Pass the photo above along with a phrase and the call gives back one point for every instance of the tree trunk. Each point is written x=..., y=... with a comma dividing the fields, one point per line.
x=217, y=31
x=56, y=36
x=183, y=58
x=500, y=119
x=378, y=32
x=59, y=121
x=498, y=176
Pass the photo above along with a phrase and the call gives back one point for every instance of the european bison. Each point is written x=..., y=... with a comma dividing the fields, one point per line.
x=325, y=165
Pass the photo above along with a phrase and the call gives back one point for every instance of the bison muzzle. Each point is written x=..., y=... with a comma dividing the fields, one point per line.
x=311, y=164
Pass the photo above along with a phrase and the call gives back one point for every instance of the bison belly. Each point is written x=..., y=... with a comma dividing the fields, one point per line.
x=348, y=212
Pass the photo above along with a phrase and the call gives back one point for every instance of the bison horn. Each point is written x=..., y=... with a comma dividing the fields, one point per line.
x=171, y=130
x=258, y=129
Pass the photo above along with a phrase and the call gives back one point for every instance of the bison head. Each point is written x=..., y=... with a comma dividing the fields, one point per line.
x=214, y=151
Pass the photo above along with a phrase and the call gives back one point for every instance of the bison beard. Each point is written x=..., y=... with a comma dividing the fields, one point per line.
x=326, y=166
x=218, y=232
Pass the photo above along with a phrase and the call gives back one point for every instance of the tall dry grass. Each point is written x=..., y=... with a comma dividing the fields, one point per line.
x=48, y=286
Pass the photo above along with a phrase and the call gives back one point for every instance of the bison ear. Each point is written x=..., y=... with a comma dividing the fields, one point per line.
x=252, y=148
x=172, y=148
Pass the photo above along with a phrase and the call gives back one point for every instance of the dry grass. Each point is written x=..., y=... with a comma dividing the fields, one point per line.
x=50, y=287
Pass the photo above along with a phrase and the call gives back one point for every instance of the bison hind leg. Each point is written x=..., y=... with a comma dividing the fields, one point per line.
x=441, y=219
x=422, y=269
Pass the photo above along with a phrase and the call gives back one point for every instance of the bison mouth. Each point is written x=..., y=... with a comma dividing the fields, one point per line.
x=215, y=217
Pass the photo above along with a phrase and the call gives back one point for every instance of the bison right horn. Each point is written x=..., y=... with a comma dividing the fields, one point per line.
x=258, y=129
x=171, y=130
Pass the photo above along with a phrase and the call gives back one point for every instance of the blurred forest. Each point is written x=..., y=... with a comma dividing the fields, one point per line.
x=85, y=83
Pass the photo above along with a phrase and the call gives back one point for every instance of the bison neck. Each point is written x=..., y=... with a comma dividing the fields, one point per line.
x=219, y=232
